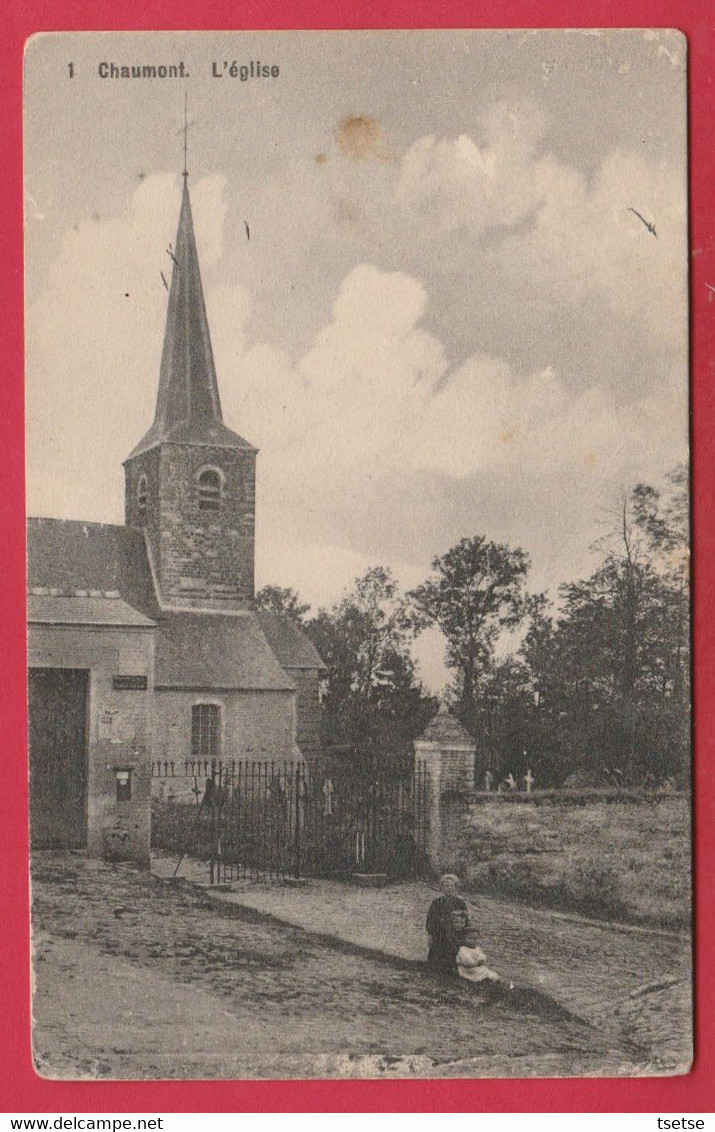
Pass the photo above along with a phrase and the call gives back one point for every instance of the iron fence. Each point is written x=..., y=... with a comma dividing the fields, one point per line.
x=256, y=819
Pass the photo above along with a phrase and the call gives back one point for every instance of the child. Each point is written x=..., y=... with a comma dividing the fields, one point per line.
x=472, y=962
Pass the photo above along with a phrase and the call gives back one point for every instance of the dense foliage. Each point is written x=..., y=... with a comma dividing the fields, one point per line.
x=596, y=690
x=373, y=704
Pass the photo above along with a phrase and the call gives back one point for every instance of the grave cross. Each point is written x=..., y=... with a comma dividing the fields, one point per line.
x=529, y=780
x=328, y=791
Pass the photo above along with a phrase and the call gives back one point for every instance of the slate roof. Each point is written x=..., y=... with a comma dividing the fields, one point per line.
x=47, y=609
x=67, y=555
x=292, y=648
x=188, y=407
x=445, y=729
x=206, y=650
x=84, y=572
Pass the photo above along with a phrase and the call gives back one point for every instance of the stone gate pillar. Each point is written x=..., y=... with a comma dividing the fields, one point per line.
x=448, y=751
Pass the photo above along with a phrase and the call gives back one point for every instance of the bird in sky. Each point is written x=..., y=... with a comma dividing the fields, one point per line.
x=649, y=226
x=163, y=279
x=248, y=230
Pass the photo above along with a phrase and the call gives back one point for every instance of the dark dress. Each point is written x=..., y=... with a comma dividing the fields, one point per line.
x=444, y=941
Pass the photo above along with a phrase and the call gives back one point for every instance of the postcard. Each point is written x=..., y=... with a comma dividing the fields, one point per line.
x=358, y=533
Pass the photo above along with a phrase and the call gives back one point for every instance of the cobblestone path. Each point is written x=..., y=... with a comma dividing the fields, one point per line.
x=139, y=978
x=598, y=971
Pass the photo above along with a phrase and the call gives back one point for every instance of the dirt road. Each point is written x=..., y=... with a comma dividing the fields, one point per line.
x=136, y=978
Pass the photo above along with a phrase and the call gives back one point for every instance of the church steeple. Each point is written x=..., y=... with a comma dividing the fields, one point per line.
x=188, y=390
x=188, y=406
x=190, y=482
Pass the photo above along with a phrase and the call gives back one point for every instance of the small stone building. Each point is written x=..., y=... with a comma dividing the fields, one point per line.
x=144, y=640
x=449, y=752
x=449, y=755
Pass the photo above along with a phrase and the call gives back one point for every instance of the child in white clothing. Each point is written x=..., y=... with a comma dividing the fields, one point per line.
x=472, y=962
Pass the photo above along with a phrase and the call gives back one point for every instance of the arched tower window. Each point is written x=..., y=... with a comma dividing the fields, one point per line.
x=210, y=488
x=205, y=731
x=142, y=490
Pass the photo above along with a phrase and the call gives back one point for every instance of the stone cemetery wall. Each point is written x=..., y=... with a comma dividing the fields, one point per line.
x=622, y=856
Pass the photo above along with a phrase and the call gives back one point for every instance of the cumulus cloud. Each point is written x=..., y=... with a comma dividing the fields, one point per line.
x=587, y=246
x=377, y=387
x=449, y=185
x=525, y=255
x=471, y=336
x=371, y=438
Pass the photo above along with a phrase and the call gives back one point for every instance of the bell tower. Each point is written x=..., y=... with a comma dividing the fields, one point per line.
x=190, y=482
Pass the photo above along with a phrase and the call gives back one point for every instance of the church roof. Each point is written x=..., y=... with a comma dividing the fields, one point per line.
x=65, y=556
x=80, y=609
x=446, y=729
x=188, y=407
x=98, y=573
x=205, y=650
x=292, y=647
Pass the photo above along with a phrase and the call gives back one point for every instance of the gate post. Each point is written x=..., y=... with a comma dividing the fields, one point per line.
x=298, y=816
x=429, y=755
x=448, y=752
x=213, y=824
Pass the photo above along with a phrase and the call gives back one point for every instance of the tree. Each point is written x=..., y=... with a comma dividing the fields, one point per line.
x=373, y=702
x=664, y=517
x=476, y=591
x=505, y=706
x=283, y=601
x=608, y=670
x=612, y=636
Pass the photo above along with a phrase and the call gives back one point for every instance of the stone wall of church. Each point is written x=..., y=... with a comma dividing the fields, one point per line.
x=206, y=557
x=146, y=464
x=203, y=558
x=119, y=725
x=258, y=726
x=308, y=735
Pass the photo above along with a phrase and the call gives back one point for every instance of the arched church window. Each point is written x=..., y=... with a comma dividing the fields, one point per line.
x=205, y=731
x=142, y=489
x=210, y=484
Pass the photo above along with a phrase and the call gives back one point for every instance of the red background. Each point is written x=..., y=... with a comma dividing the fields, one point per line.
x=20, y=1089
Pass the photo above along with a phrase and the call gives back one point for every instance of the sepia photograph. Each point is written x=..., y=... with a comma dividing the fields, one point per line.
x=357, y=484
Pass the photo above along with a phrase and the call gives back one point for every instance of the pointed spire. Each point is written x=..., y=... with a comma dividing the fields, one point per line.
x=188, y=390
x=188, y=407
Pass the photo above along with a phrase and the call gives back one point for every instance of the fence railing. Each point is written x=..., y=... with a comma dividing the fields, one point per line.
x=249, y=818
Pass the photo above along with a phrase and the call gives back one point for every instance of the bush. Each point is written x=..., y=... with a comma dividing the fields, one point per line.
x=514, y=877
x=593, y=886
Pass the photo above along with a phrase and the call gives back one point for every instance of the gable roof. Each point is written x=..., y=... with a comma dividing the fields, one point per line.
x=188, y=406
x=50, y=609
x=216, y=651
x=98, y=573
x=67, y=556
x=291, y=646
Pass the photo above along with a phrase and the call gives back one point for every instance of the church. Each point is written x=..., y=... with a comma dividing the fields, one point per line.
x=145, y=645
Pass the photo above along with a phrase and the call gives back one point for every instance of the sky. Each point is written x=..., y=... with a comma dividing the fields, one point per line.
x=447, y=320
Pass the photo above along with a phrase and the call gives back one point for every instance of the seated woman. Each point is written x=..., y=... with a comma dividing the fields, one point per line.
x=446, y=923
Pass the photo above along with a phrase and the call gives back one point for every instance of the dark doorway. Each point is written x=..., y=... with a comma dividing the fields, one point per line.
x=57, y=699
